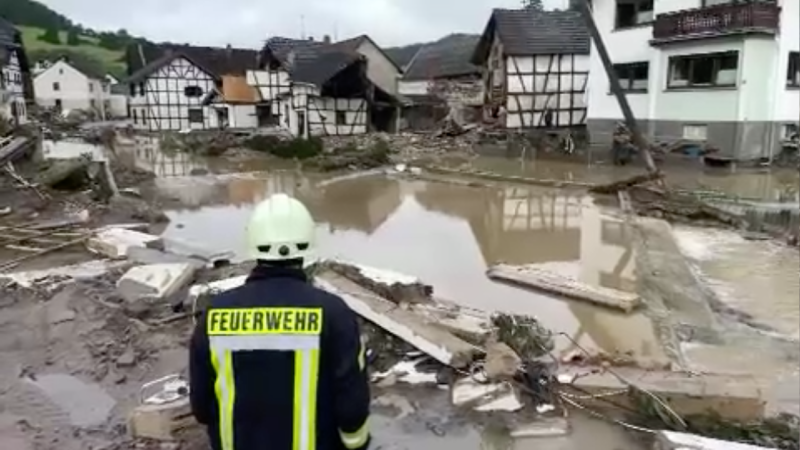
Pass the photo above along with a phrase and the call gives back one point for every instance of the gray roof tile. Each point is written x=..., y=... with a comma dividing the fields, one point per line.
x=447, y=57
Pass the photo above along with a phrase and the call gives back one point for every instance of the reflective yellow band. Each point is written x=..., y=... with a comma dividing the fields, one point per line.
x=306, y=370
x=224, y=387
x=362, y=356
x=357, y=438
x=250, y=321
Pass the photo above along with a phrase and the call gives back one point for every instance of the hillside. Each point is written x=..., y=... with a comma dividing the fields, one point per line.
x=49, y=35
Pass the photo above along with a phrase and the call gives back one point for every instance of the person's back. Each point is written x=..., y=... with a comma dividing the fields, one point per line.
x=277, y=363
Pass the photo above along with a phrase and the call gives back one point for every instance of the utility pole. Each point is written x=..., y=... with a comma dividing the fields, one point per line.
x=630, y=121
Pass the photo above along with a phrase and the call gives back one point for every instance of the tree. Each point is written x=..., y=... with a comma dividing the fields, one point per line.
x=50, y=35
x=535, y=5
x=73, y=38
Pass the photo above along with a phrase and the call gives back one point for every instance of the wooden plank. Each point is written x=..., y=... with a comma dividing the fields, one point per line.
x=553, y=283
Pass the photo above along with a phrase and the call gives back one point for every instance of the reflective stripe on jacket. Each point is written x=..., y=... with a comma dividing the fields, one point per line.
x=279, y=364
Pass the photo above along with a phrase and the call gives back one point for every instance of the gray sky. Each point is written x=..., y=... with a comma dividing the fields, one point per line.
x=246, y=23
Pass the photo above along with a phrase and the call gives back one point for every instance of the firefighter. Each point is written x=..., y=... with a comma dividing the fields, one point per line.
x=276, y=363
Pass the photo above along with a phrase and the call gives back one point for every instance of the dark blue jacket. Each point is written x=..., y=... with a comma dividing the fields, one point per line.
x=263, y=407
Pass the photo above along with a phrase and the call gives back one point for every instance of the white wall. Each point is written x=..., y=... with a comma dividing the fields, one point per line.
x=164, y=105
x=535, y=83
x=322, y=113
x=415, y=87
x=75, y=89
x=380, y=69
x=760, y=94
x=118, y=105
x=239, y=116
x=12, y=103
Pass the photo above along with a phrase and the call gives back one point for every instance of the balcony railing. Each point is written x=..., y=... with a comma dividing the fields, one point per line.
x=731, y=18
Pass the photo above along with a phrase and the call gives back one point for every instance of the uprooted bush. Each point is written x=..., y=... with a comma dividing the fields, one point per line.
x=296, y=148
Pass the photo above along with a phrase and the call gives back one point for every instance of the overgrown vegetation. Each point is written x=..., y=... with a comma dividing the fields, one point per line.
x=295, y=148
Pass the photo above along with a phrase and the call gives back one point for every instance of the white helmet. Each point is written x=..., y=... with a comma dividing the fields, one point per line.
x=280, y=228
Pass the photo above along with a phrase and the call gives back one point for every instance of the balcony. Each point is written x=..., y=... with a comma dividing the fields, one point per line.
x=761, y=17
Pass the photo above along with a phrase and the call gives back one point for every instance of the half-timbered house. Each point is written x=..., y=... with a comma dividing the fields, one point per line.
x=535, y=68
x=16, y=88
x=169, y=86
x=313, y=89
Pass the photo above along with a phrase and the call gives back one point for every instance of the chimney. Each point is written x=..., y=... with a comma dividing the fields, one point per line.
x=326, y=39
x=311, y=38
x=229, y=50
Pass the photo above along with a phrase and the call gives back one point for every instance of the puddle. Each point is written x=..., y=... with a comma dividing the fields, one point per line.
x=757, y=277
x=87, y=404
x=446, y=235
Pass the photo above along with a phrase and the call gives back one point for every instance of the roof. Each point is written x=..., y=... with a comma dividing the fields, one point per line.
x=447, y=57
x=316, y=66
x=281, y=46
x=214, y=60
x=86, y=68
x=354, y=43
x=531, y=32
x=403, y=55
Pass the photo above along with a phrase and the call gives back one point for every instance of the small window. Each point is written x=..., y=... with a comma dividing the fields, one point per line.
x=192, y=91
x=141, y=89
x=791, y=131
x=18, y=78
x=633, y=77
x=91, y=87
x=341, y=117
x=695, y=132
x=195, y=115
x=56, y=86
x=92, y=103
x=793, y=71
x=61, y=71
x=632, y=13
x=703, y=71
x=58, y=103
x=132, y=90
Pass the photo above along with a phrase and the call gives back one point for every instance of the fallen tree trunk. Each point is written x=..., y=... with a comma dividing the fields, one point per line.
x=553, y=283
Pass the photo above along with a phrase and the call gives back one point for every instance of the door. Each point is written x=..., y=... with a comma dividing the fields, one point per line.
x=301, y=123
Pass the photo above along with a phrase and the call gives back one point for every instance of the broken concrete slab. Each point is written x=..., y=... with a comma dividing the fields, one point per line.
x=143, y=255
x=532, y=277
x=115, y=242
x=672, y=440
x=406, y=325
x=733, y=397
x=467, y=392
x=393, y=286
x=191, y=250
x=155, y=280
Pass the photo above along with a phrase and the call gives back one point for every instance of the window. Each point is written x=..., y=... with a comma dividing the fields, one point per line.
x=141, y=89
x=631, y=13
x=132, y=90
x=56, y=86
x=92, y=103
x=633, y=76
x=703, y=71
x=58, y=103
x=695, y=132
x=790, y=131
x=341, y=117
x=793, y=71
x=133, y=115
x=107, y=105
x=192, y=91
x=195, y=115
x=91, y=87
x=61, y=71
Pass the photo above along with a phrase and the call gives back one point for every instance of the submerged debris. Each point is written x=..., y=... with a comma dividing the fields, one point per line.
x=525, y=335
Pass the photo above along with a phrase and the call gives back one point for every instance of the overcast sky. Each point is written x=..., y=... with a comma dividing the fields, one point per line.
x=246, y=23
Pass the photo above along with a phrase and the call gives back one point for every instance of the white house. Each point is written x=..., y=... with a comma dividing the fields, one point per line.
x=13, y=75
x=535, y=67
x=716, y=71
x=171, y=86
x=64, y=85
x=313, y=90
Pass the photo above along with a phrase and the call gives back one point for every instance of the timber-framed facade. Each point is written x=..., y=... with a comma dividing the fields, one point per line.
x=535, y=68
x=170, y=86
x=313, y=90
x=16, y=87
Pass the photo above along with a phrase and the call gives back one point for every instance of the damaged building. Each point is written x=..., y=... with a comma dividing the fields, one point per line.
x=16, y=84
x=312, y=88
x=169, y=87
x=535, y=68
x=439, y=80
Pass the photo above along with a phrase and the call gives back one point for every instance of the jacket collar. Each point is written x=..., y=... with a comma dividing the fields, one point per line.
x=264, y=272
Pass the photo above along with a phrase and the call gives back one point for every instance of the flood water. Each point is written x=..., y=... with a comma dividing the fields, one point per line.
x=446, y=235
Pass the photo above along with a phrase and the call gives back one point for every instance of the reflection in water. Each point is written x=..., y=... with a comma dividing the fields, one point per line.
x=145, y=153
x=446, y=235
